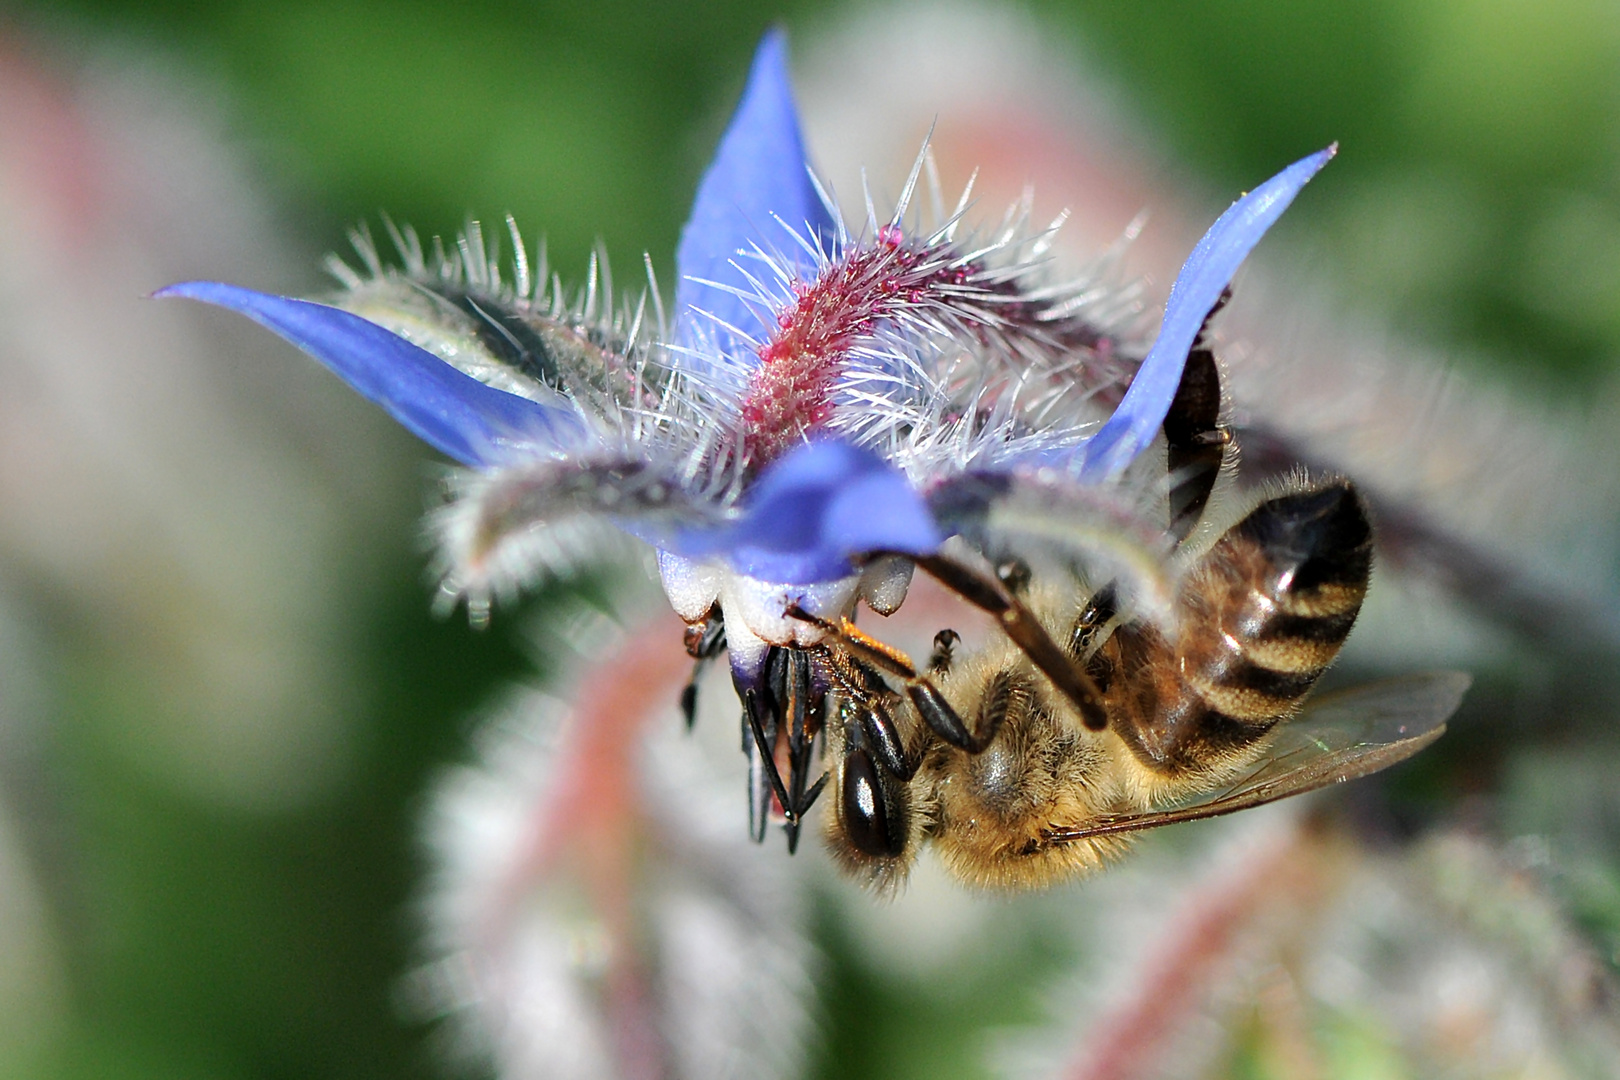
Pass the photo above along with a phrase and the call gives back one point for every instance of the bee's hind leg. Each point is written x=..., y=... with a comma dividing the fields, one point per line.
x=1020, y=624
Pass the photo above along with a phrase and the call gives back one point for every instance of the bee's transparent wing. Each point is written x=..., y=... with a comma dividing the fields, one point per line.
x=1340, y=736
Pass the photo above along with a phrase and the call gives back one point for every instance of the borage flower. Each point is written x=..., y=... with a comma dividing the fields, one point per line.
x=830, y=404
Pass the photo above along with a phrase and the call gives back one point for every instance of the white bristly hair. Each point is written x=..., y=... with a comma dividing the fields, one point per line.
x=946, y=349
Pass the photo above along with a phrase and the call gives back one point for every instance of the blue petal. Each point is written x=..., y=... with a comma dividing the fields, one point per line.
x=759, y=171
x=1206, y=273
x=453, y=412
x=813, y=510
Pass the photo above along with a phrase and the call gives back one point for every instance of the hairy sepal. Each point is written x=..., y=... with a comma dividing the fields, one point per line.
x=516, y=528
x=508, y=323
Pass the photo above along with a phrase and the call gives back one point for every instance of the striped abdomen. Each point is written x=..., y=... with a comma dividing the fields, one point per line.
x=1263, y=614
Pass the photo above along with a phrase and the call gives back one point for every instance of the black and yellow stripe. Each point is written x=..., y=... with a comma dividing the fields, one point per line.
x=1264, y=613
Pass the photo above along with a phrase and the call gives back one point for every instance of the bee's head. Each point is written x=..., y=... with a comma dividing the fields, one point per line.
x=874, y=829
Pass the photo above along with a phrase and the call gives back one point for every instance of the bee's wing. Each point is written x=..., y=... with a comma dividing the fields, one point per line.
x=1340, y=736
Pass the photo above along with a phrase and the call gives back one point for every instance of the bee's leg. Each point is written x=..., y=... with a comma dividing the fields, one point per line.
x=1087, y=637
x=874, y=728
x=948, y=724
x=1096, y=641
x=862, y=652
x=1196, y=440
x=1025, y=630
x=924, y=695
x=1197, y=445
x=704, y=641
x=873, y=815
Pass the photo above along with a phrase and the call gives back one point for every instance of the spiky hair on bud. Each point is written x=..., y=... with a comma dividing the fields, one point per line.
x=510, y=323
x=937, y=345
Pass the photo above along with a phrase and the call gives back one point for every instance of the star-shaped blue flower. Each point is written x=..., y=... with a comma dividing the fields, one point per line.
x=807, y=515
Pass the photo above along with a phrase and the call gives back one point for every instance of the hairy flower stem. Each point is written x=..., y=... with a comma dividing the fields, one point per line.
x=1202, y=940
x=593, y=821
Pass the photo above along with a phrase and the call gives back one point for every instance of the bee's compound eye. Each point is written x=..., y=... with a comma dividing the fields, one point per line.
x=872, y=821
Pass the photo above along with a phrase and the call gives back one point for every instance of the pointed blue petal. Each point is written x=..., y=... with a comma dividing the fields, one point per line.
x=453, y=412
x=816, y=508
x=1206, y=273
x=759, y=171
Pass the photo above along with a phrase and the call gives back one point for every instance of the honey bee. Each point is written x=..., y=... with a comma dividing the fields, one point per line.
x=1031, y=760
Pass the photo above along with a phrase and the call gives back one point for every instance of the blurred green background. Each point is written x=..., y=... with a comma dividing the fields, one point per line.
x=1475, y=199
x=1476, y=206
